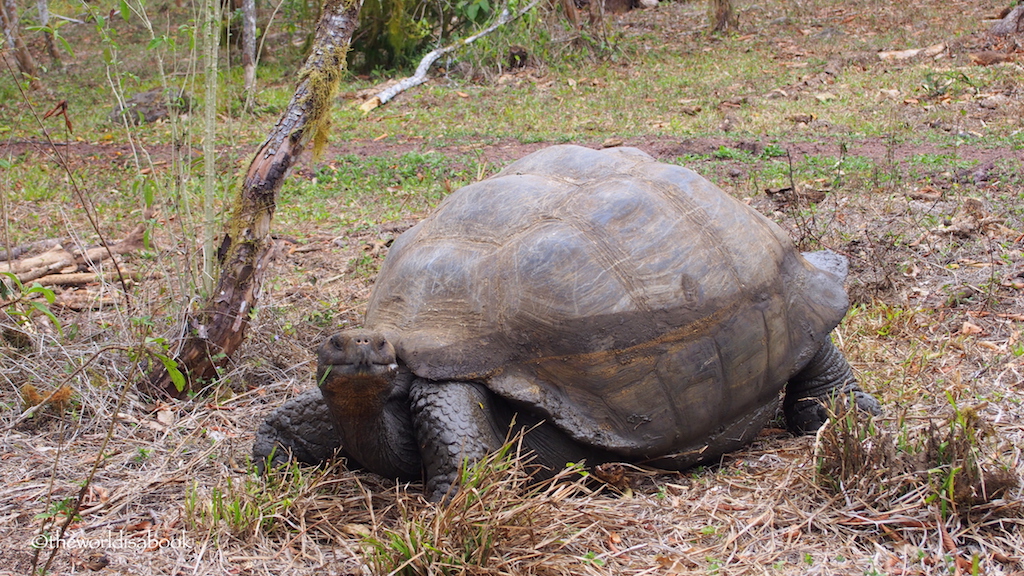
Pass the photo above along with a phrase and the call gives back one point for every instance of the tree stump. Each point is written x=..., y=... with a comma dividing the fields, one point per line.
x=1012, y=23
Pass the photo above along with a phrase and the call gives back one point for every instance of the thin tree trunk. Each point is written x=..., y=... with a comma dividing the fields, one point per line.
x=217, y=330
x=723, y=17
x=211, y=36
x=27, y=64
x=51, y=46
x=571, y=14
x=249, y=50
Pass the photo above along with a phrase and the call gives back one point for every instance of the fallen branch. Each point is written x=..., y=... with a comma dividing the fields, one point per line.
x=79, y=302
x=385, y=96
x=18, y=251
x=58, y=258
x=82, y=278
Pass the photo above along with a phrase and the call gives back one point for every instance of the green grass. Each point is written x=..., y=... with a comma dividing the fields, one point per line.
x=348, y=191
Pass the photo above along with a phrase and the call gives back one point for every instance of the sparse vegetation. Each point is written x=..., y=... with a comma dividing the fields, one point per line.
x=909, y=167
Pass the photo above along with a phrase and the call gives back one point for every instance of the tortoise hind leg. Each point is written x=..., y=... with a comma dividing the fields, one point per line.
x=455, y=423
x=825, y=379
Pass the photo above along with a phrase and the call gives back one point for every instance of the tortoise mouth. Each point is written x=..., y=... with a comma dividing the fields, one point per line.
x=357, y=388
x=359, y=368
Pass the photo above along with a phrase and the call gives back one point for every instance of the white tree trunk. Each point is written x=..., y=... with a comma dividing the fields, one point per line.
x=249, y=49
x=43, y=9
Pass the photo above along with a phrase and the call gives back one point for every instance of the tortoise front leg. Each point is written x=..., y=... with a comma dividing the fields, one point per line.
x=301, y=428
x=826, y=378
x=455, y=423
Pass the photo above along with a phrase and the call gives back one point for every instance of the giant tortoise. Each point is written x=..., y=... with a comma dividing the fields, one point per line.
x=617, y=308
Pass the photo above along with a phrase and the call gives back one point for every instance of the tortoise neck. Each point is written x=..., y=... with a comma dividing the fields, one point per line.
x=373, y=419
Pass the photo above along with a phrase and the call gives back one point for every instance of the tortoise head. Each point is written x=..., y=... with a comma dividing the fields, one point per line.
x=356, y=353
x=356, y=372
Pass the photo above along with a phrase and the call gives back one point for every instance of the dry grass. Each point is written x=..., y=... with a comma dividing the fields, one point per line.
x=173, y=493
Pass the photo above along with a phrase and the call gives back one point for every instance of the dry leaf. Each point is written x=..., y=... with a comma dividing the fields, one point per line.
x=970, y=328
x=370, y=104
x=96, y=494
x=165, y=417
x=990, y=57
x=356, y=530
x=141, y=526
x=94, y=561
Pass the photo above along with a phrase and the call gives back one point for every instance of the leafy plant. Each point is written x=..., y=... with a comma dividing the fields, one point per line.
x=254, y=504
x=19, y=304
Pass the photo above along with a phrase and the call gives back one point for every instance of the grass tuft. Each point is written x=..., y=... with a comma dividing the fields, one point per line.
x=956, y=463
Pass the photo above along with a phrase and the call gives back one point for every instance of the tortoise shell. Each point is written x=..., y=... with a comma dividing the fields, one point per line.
x=633, y=303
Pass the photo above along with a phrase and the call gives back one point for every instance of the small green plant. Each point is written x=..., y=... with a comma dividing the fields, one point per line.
x=59, y=510
x=951, y=83
x=726, y=153
x=495, y=506
x=19, y=303
x=250, y=505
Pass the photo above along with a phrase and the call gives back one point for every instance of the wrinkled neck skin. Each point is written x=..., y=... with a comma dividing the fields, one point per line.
x=371, y=413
